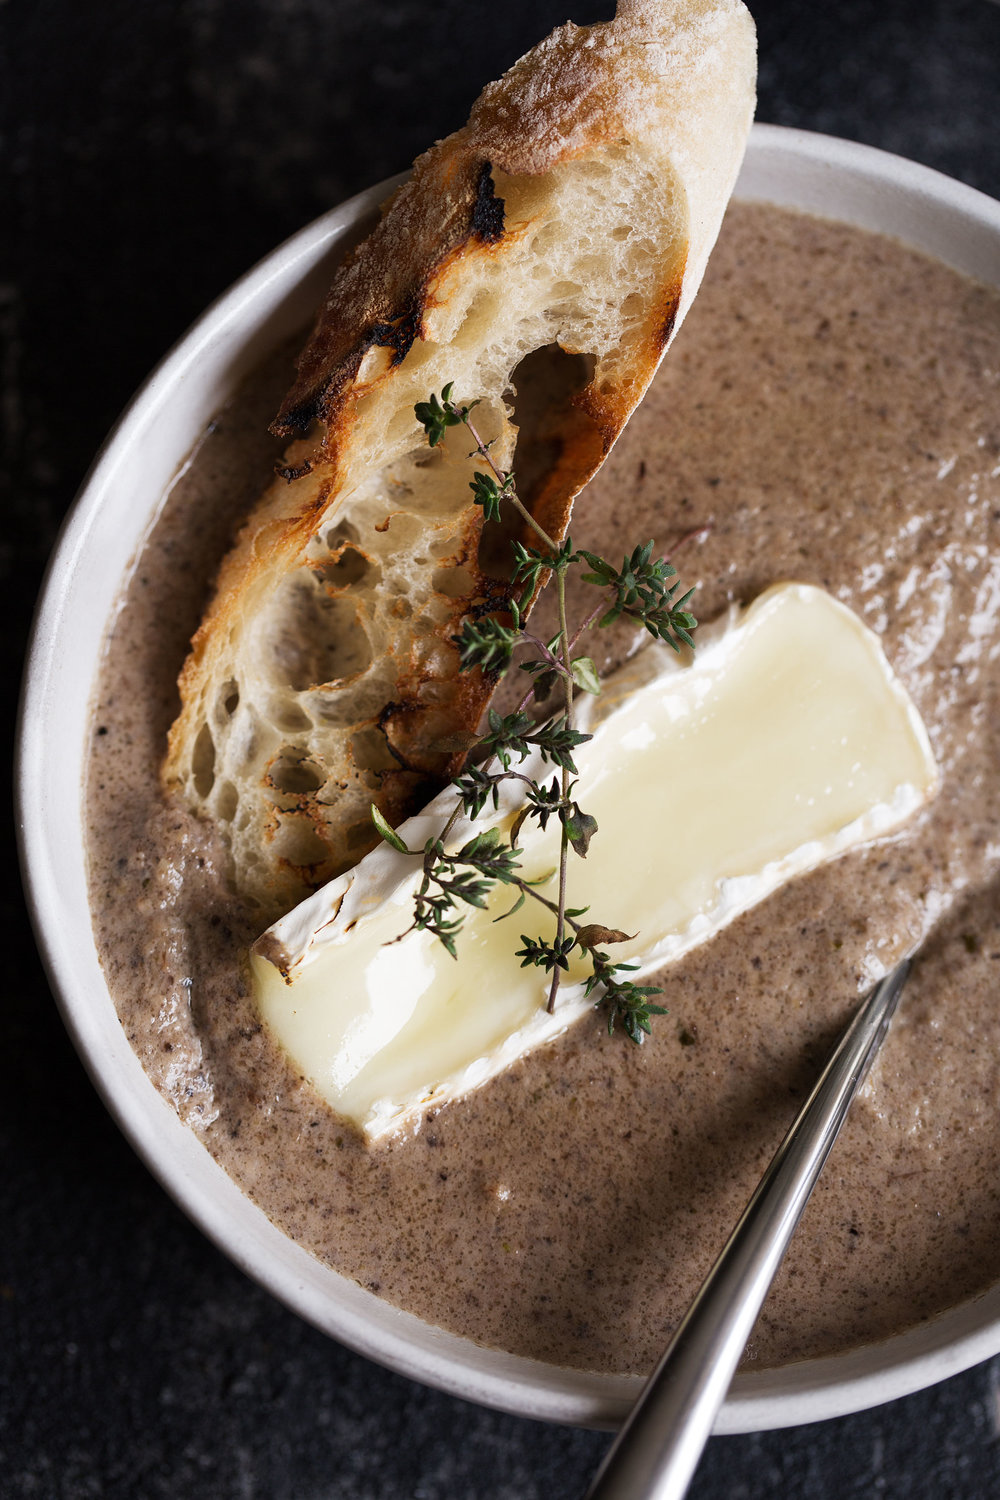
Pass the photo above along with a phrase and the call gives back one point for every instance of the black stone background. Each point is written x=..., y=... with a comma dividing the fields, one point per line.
x=151, y=152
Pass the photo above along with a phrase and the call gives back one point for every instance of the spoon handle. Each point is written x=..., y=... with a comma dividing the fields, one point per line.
x=658, y=1448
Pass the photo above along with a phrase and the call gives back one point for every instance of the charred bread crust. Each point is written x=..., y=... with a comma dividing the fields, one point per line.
x=566, y=225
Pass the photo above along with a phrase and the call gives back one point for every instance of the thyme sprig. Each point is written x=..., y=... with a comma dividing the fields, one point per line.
x=644, y=589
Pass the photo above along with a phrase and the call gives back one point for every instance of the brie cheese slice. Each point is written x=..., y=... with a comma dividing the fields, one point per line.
x=786, y=742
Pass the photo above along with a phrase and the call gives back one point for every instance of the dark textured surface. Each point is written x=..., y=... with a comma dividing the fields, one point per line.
x=150, y=154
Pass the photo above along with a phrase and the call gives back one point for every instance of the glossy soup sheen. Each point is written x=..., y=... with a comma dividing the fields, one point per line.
x=828, y=413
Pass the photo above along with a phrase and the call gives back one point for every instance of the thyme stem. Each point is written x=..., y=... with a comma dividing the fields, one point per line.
x=509, y=492
x=564, y=781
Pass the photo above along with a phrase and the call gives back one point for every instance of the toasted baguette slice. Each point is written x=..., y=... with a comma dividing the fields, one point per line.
x=540, y=259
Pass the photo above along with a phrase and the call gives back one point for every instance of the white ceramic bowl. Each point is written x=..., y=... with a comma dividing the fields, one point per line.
x=113, y=514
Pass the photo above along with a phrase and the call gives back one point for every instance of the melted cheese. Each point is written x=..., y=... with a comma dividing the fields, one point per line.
x=787, y=741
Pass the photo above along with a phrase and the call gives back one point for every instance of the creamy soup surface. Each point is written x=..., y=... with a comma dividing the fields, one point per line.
x=830, y=412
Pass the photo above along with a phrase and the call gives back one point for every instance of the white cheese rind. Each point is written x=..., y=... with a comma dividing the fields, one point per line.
x=787, y=741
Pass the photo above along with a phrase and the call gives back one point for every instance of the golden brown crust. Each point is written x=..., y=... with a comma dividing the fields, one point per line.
x=379, y=294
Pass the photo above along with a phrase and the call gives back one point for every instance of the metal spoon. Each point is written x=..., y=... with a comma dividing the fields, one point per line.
x=658, y=1448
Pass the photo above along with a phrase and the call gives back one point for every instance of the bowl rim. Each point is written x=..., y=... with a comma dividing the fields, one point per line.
x=791, y=167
